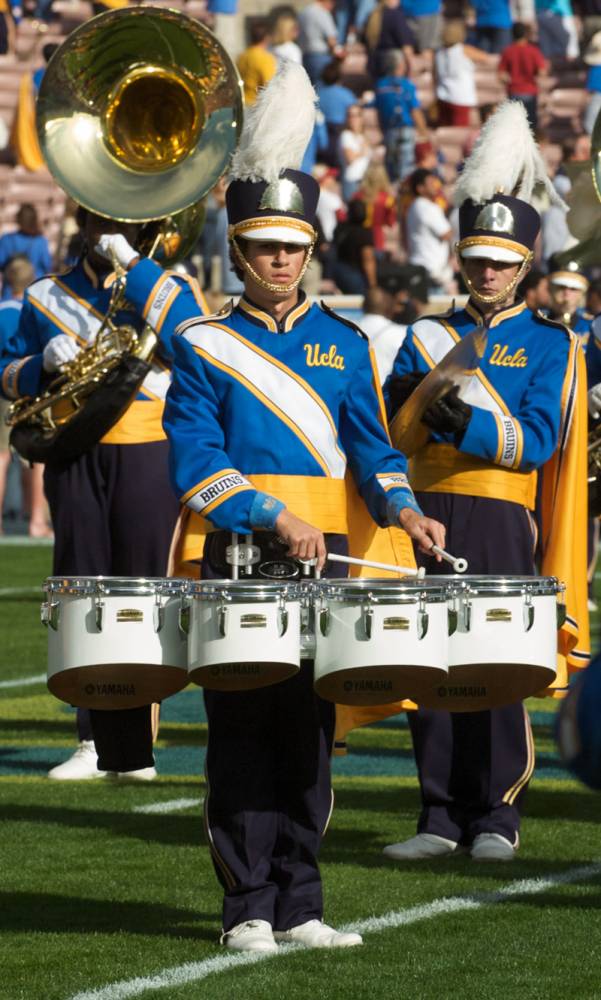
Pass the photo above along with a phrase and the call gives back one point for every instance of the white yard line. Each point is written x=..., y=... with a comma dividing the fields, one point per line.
x=193, y=972
x=23, y=681
x=21, y=591
x=169, y=806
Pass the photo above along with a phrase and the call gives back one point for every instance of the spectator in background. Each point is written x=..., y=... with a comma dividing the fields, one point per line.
x=19, y=274
x=424, y=18
x=7, y=28
x=318, y=37
x=455, y=75
x=354, y=151
x=521, y=64
x=592, y=58
x=386, y=34
x=28, y=241
x=317, y=143
x=400, y=116
x=331, y=209
x=334, y=100
x=385, y=336
x=227, y=25
x=534, y=289
x=557, y=34
x=492, y=32
x=284, y=34
x=24, y=137
x=428, y=230
x=256, y=64
x=354, y=265
x=593, y=298
x=590, y=12
x=555, y=235
x=376, y=192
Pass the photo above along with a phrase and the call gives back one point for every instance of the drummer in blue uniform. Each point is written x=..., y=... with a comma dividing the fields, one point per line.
x=478, y=474
x=273, y=399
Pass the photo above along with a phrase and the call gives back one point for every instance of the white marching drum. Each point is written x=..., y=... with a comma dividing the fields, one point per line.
x=115, y=642
x=243, y=633
x=377, y=641
x=504, y=645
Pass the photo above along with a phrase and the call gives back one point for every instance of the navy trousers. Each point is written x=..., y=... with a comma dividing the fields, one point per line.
x=474, y=767
x=269, y=795
x=113, y=513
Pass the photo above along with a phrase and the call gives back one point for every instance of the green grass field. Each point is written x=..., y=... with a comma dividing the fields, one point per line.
x=104, y=897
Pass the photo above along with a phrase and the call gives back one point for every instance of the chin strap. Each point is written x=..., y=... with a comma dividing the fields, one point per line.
x=493, y=300
x=270, y=286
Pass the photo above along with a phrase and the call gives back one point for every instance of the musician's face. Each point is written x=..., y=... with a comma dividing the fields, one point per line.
x=95, y=226
x=274, y=262
x=489, y=277
x=565, y=300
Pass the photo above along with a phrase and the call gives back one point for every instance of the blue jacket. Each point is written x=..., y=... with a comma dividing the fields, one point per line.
x=261, y=416
x=515, y=396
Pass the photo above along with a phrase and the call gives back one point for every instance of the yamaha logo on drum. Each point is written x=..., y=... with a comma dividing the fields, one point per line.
x=110, y=690
x=366, y=685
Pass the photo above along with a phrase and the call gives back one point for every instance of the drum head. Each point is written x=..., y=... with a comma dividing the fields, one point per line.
x=480, y=686
x=378, y=685
x=383, y=591
x=244, y=591
x=117, y=685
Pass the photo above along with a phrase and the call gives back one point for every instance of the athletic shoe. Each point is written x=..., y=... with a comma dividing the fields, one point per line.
x=142, y=774
x=316, y=934
x=81, y=765
x=424, y=845
x=492, y=847
x=250, y=935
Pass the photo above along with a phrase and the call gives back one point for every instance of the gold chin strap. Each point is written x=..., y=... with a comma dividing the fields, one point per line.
x=493, y=300
x=270, y=286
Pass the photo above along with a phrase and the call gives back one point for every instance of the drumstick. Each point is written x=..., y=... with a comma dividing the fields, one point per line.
x=459, y=565
x=403, y=570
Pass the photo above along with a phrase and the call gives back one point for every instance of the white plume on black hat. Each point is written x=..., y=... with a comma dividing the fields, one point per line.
x=277, y=127
x=505, y=159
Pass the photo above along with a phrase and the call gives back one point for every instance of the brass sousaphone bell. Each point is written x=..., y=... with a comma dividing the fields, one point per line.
x=138, y=114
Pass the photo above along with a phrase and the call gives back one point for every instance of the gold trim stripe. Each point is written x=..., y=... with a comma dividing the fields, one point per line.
x=493, y=241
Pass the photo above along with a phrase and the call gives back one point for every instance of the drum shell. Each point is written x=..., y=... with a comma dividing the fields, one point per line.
x=396, y=660
x=504, y=649
x=238, y=637
x=137, y=656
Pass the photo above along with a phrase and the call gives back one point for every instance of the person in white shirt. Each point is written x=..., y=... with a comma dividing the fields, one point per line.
x=385, y=336
x=354, y=151
x=428, y=229
x=330, y=207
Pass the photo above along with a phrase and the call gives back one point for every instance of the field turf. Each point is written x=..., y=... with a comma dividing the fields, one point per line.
x=104, y=897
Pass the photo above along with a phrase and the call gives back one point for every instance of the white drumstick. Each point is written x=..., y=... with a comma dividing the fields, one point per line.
x=403, y=570
x=459, y=565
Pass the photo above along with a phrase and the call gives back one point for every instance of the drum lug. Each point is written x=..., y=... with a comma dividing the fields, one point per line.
x=282, y=621
x=452, y=618
x=368, y=621
x=464, y=620
x=158, y=616
x=222, y=621
x=183, y=618
x=423, y=621
x=324, y=620
x=50, y=613
x=98, y=613
x=528, y=613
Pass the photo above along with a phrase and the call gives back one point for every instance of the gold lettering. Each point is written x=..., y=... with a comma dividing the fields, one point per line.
x=316, y=358
x=500, y=356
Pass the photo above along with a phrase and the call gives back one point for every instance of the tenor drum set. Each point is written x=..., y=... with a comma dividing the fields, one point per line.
x=459, y=643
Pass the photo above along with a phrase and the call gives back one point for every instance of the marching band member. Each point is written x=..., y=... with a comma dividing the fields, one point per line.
x=521, y=415
x=100, y=526
x=567, y=297
x=272, y=401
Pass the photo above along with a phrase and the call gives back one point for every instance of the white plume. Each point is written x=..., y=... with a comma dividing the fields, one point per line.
x=505, y=159
x=277, y=127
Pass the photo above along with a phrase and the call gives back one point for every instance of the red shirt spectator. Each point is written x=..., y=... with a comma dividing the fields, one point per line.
x=380, y=204
x=521, y=63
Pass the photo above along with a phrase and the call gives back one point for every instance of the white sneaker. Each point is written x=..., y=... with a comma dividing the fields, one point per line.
x=316, y=934
x=250, y=935
x=492, y=847
x=82, y=764
x=142, y=774
x=424, y=845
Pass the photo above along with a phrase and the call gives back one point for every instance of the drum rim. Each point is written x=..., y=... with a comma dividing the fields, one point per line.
x=396, y=590
x=256, y=591
x=498, y=585
x=116, y=586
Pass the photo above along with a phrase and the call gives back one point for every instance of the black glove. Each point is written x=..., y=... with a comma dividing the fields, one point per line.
x=400, y=388
x=450, y=415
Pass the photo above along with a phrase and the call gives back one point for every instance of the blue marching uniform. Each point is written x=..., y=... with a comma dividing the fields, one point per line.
x=262, y=414
x=474, y=767
x=593, y=353
x=102, y=520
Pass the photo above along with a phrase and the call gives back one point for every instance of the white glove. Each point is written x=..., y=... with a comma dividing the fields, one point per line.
x=116, y=248
x=58, y=351
x=594, y=400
